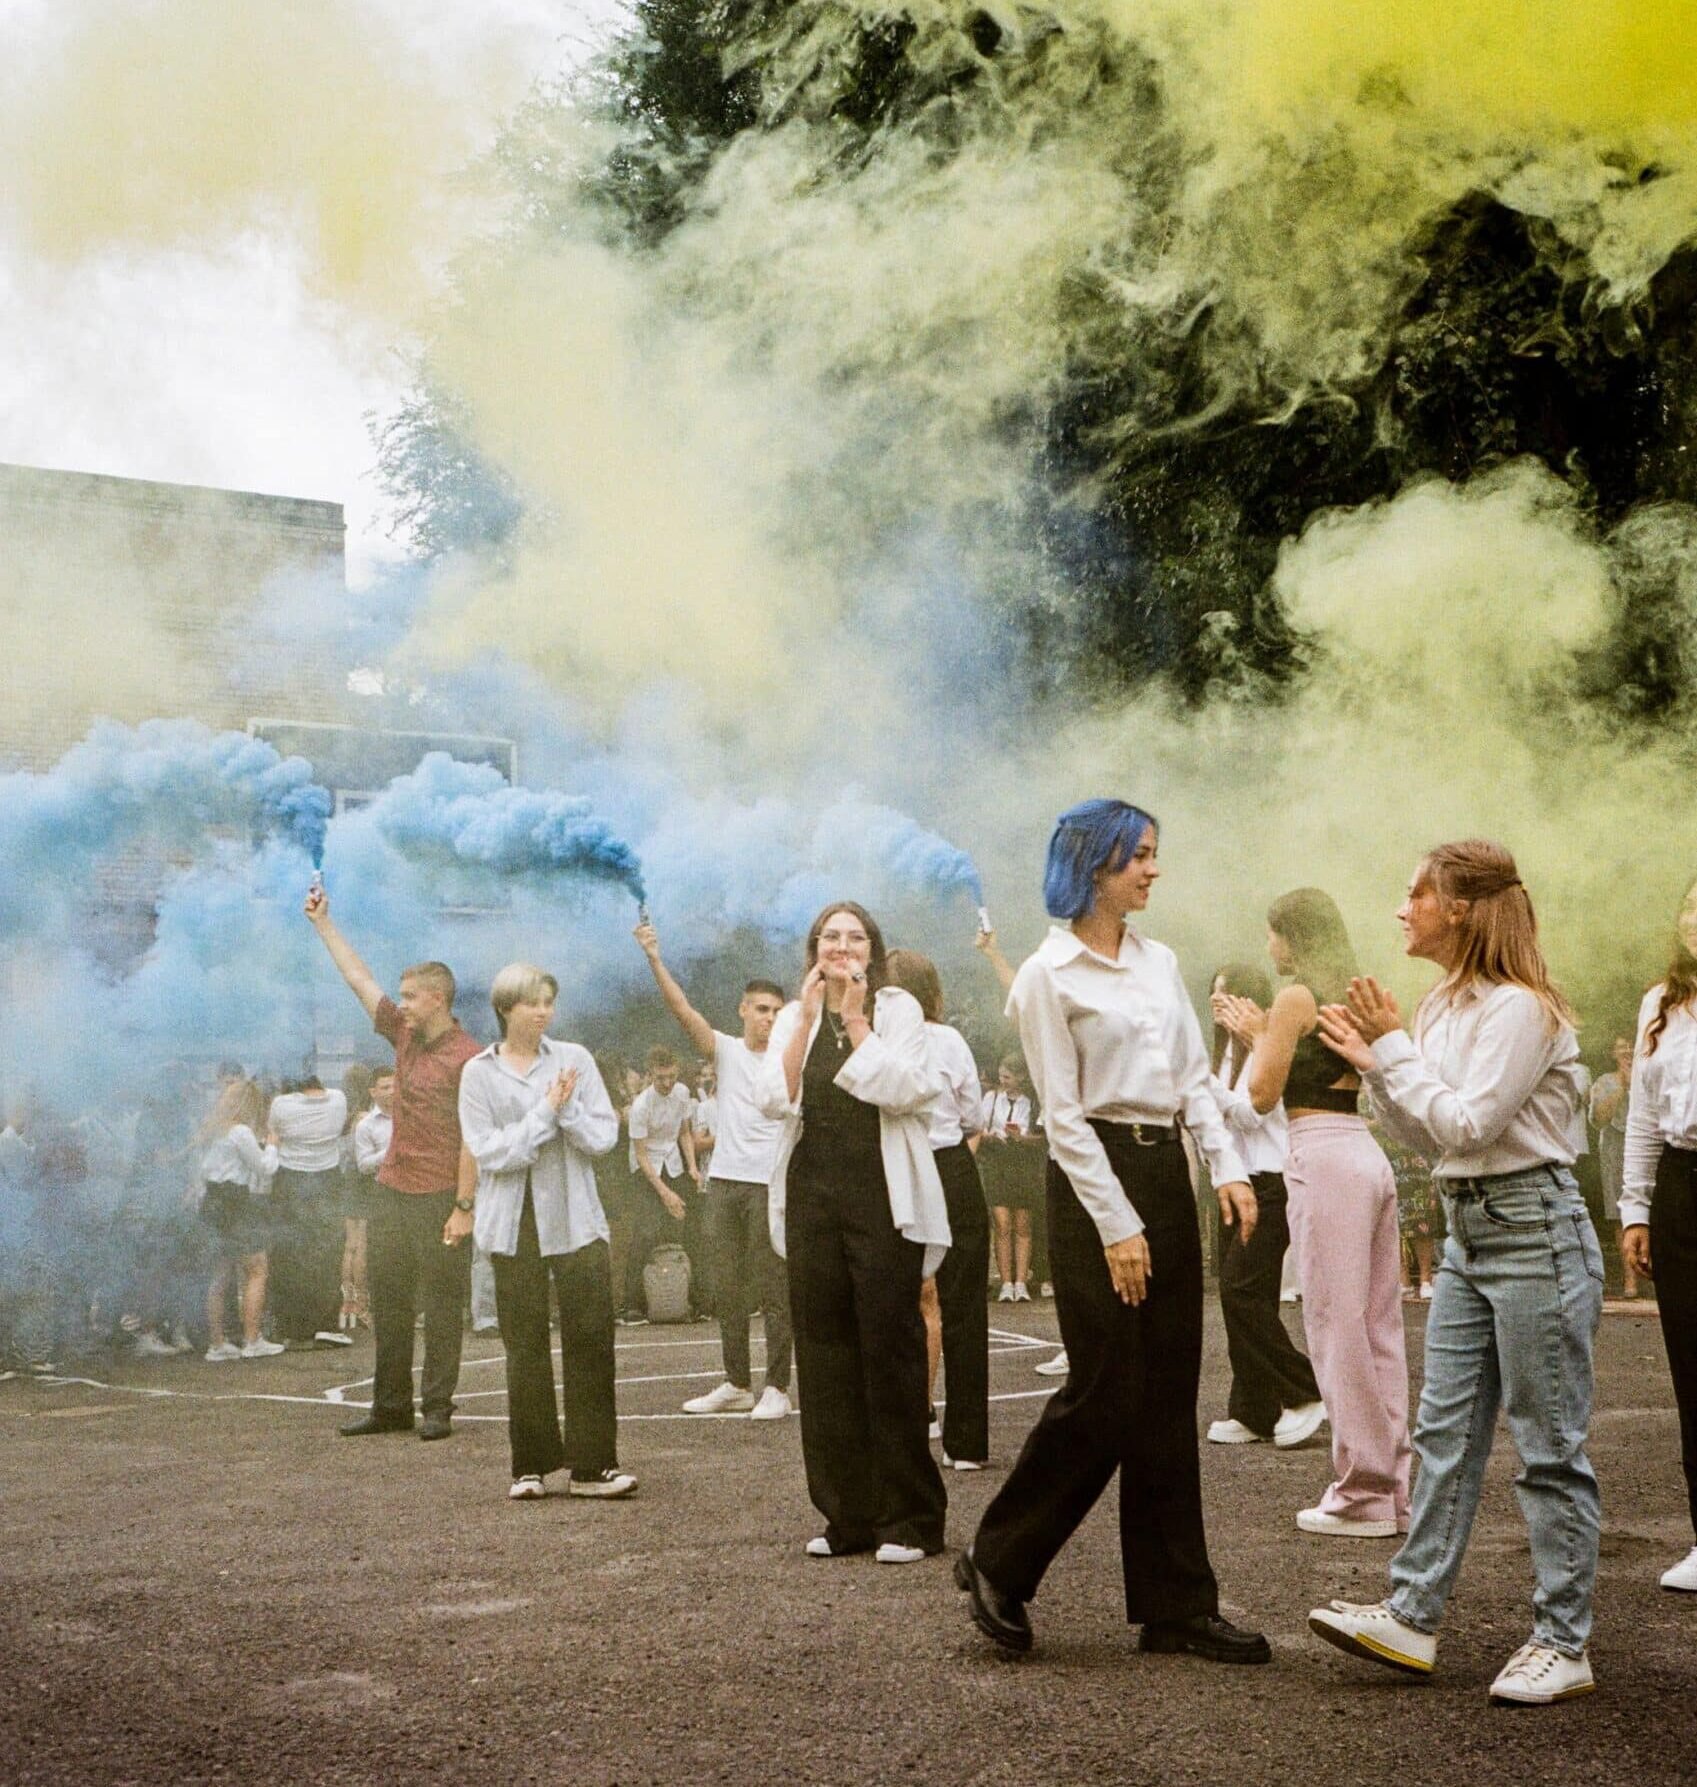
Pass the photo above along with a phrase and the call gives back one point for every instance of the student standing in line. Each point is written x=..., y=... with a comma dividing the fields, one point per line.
x=746, y=1271
x=367, y=1144
x=424, y=1199
x=1014, y=1176
x=1658, y=1200
x=664, y=1149
x=957, y=1289
x=1117, y=1057
x=306, y=1204
x=1343, y=1221
x=1490, y=1088
x=534, y=1115
x=857, y=1208
x=236, y=1174
x=1273, y=1393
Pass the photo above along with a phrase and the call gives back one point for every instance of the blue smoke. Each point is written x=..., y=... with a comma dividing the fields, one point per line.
x=463, y=813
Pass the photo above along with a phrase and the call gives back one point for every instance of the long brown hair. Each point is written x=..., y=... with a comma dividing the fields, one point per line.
x=1678, y=988
x=241, y=1101
x=1499, y=933
x=917, y=974
x=878, y=969
x=1321, y=955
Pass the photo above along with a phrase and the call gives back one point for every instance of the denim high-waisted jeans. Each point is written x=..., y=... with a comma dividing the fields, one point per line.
x=1515, y=1307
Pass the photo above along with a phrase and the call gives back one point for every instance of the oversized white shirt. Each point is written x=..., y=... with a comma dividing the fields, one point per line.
x=514, y=1132
x=745, y=1139
x=1661, y=1107
x=958, y=1112
x=892, y=1070
x=1490, y=1086
x=1264, y=1138
x=236, y=1158
x=1117, y=1041
x=309, y=1129
x=372, y=1134
x=657, y=1120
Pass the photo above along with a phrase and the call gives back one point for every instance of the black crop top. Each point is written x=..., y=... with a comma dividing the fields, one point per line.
x=1313, y=1069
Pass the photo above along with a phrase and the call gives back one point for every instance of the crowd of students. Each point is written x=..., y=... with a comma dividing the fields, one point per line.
x=835, y=1172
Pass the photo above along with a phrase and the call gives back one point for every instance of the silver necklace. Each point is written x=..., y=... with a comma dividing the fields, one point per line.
x=839, y=1030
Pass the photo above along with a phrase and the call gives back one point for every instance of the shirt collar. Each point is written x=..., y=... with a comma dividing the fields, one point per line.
x=1063, y=945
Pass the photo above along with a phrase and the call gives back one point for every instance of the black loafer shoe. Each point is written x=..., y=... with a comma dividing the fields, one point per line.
x=999, y=1617
x=1207, y=1635
x=435, y=1427
x=353, y=1430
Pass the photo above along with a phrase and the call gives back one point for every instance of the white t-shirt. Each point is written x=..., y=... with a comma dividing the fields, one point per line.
x=309, y=1129
x=658, y=1120
x=958, y=1113
x=745, y=1145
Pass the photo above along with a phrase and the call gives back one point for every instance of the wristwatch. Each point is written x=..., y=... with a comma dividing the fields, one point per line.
x=465, y=1204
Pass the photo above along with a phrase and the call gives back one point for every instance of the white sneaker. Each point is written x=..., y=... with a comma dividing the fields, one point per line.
x=333, y=1337
x=773, y=1405
x=1046, y=1291
x=1684, y=1574
x=935, y=1430
x=727, y=1399
x=1295, y=1426
x=150, y=1346
x=891, y=1553
x=964, y=1464
x=222, y=1353
x=1290, y=1296
x=1341, y=1526
x=1020, y=1293
x=605, y=1484
x=1537, y=1675
x=1006, y=1293
x=261, y=1349
x=1374, y=1632
x=529, y=1488
x=180, y=1342
x=1055, y=1367
x=1426, y=1292
x=1234, y=1433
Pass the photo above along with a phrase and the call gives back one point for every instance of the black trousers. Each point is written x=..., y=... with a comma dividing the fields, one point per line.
x=586, y=1440
x=747, y=1273
x=647, y=1223
x=698, y=1244
x=1673, y=1255
x=961, y=1280
x=408, y=1265
x=860, y=1354
x=1269, y=1375
x=1129, y=1402
x=305, y=1283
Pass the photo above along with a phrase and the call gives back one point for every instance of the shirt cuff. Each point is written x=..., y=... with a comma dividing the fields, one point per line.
x=1393, y=1048
x=1634, y=1208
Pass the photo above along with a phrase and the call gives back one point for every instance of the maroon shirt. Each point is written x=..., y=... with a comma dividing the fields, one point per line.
x=424, y=1151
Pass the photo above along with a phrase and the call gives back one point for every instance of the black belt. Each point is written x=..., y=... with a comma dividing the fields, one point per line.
x=1145, y=1135
x=1483, y=1184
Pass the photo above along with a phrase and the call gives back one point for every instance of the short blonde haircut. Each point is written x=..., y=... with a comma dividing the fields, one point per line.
x=519, y=983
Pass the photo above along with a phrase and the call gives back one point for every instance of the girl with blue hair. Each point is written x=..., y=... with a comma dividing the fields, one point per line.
x=1117, y=1058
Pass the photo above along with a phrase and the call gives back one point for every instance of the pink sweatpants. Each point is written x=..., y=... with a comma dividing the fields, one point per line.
x=1343, y=1228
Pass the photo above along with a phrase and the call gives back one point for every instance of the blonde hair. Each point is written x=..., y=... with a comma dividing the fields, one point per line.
x=1498, y=936
x=438, y=976
x=519, y=983
x=241, y=1101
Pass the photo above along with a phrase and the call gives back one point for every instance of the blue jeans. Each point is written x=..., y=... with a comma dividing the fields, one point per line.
x=1515, y=1307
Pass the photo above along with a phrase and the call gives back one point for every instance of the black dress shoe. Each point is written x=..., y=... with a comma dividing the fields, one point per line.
x=353, y=1430
x=1206, y=1635
x=435, y=1427
x=998, y=1616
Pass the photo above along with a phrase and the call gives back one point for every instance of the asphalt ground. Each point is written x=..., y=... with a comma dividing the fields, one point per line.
x=202, y=1582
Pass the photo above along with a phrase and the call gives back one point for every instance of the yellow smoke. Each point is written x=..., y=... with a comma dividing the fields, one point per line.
x=137, y=126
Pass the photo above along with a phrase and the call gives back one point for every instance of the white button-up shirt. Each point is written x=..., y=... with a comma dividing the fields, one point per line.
x=513, y=1131
x=958, y=1112
x=1264, y=1139
x=1661, y=1108
x=1490, y=1086
x=1117, y=1041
